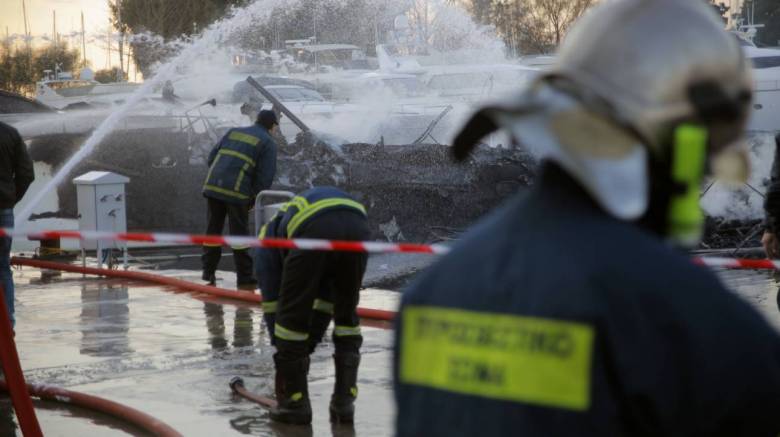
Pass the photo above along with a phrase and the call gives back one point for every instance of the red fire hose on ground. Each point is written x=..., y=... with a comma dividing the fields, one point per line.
x=130, y=415
x=366, y=313
x=20, y=392
x=20, y=397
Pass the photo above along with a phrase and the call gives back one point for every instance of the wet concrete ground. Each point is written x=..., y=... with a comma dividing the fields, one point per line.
x=171, y=355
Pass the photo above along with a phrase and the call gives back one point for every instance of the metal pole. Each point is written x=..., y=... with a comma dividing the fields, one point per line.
x=271, y=98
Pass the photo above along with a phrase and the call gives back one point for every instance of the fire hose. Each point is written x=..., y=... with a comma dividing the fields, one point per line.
x=20, y=397
x=20, y=392
x=130, y=415
x=366, y=313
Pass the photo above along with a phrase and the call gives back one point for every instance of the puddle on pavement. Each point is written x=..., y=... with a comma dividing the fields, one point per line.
x=171, y=356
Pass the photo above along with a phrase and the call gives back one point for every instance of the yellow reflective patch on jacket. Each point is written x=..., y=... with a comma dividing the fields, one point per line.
x=240, y=178
x=213, y=164
x=499, y=356
x=244, y=138
x=300, y=202
x=304, y=213
x=230, y=193
x=238, y=155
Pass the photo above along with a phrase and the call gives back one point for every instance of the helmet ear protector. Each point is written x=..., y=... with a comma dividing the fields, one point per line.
x=685, y=219
x=697, y=151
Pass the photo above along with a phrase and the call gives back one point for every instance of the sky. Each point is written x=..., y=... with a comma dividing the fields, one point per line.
x=68, y=15
x=96, y=21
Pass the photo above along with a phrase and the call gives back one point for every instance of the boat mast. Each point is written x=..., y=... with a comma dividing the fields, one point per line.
x=27, y=35
x=24, y=16
x=83, y=41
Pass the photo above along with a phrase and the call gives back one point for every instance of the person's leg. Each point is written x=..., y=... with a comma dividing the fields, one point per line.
x=213, y=252
x=268, y=271
x=300, y=283
x=320, y=317
x=238, y=223
x=347, y=337
x=347, y=278
x=6, y=276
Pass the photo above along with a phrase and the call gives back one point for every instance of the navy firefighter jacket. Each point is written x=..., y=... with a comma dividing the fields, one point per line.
x=288, y=222
x=551, y=318
x=241, y=165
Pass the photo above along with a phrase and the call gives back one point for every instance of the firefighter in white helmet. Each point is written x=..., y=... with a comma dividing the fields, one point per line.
x=569, y=311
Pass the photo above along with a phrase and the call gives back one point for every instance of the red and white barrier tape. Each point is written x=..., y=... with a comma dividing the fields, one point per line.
x=738, y=263
x=309, y=244
x=234, y=241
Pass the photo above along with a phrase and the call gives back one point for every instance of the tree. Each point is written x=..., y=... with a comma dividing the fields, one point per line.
x=55, y=56
x=530, y=26
x=21, y=67
x=110, y=75
x=168, y=19
x=556, y=16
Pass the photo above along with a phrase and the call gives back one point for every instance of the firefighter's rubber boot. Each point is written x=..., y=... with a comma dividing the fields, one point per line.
x=210, y=278
x=342, y=403
x=292, y=392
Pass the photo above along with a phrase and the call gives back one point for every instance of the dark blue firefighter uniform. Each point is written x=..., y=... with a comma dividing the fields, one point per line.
x=240, y=166
x=302, y=288
x=550, y=318
x=268, y=271
x=320, y=278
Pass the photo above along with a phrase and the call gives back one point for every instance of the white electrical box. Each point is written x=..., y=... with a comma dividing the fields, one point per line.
x=101, y=207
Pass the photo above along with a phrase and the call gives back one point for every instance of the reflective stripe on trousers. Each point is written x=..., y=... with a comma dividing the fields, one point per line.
x=344, y=331
x=288, y=334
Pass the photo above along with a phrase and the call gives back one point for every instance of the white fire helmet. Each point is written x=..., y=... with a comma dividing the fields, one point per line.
x=637, y=84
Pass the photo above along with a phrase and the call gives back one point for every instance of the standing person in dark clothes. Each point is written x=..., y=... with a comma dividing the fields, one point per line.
x=568, y=312
x=16, y=175
x=303, y=289
x=241, y=165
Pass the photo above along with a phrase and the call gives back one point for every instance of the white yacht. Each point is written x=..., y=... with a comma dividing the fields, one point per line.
x=61, y=90
x=766, y=75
